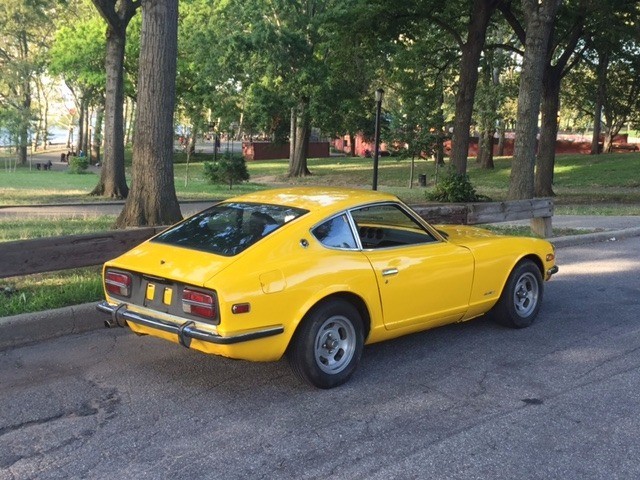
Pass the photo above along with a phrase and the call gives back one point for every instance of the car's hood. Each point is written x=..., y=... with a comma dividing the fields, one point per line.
x=465, y=235
x=174, y=263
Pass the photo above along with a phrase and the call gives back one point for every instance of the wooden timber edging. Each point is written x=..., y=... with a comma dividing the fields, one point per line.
x=25, y=257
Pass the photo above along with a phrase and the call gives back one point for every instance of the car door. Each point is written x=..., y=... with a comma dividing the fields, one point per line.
x=422, y=280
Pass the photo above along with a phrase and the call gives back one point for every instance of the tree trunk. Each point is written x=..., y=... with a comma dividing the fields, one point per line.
x=298, y=167
x=112, y=181
x=292, y=136
x=97, y=135
x=352, y=145
x=80, y=138
x=548, y=132
x=539, y=21
x=501, y=138
x=603, y=65
x=25, y=117
x=471, y=51
x=152, y=199
x=485, y=154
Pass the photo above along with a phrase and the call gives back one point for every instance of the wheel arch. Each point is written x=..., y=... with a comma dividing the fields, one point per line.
x=535, y=259
x=358, y=303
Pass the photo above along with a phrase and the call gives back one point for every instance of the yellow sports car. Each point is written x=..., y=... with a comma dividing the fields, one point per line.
x=316, y=273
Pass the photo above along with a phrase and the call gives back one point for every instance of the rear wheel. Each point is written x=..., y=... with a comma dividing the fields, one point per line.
x=521, y=298
x=327, y=347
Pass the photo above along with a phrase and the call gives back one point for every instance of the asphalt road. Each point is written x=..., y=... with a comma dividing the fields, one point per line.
x=470, y=401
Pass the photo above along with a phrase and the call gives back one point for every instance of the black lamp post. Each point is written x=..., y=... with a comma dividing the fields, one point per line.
x=376, y=150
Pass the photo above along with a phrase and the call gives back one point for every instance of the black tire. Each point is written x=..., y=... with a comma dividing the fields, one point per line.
x=521, y=298
x=327, y=346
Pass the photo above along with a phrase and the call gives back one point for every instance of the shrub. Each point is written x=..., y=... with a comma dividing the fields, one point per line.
x=455, y=187
x=229, y=169
x=78, y=164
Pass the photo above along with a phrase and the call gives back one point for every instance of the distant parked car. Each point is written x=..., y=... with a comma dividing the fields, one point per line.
x=315, y=274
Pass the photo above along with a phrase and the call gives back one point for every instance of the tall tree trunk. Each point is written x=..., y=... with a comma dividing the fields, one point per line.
x=471, y=51
x=117, y=14
x=298, y=167
x=112, y=181
x=501, y=137
x=485, y=154
x=603, y=66
x=548, y=132
x=97, y=135
x=45, y=121
x=152, y=199
x=352, y=145
x=292, y=136
x=25, y=118
x=80, y=138
x=539, y=20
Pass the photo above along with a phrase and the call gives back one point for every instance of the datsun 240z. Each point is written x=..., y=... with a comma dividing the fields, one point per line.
x=317, y=273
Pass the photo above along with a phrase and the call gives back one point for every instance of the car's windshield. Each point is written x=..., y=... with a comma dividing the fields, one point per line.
x=229, y=228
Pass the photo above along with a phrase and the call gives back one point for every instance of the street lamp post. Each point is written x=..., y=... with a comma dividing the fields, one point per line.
x=376, y=148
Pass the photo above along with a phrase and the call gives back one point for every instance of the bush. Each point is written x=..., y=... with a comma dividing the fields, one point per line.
x=78, y=164
x=455, y=187
x=229, y=169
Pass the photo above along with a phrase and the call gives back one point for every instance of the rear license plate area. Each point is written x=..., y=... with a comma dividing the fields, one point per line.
x=158, y=295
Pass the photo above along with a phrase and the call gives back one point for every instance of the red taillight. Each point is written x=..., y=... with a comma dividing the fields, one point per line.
x=118, y=283
x=198, y=303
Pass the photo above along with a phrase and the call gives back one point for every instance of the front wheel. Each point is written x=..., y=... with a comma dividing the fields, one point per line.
x=327, y=347
x=521, y=298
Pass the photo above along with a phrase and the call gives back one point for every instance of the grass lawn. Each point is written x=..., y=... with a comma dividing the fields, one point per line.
x=586, y=180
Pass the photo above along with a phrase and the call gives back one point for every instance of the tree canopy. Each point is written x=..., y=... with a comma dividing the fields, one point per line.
x=290, y=70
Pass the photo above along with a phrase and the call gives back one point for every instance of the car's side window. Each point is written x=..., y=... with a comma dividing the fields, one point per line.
x=335, y=233
x=388, y=225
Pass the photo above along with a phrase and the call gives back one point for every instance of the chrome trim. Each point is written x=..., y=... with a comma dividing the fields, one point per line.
x=552, y=271
x=186, y=331
x=389, y=271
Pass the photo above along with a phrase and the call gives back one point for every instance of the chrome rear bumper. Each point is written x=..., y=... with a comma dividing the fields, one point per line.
x=185, y=332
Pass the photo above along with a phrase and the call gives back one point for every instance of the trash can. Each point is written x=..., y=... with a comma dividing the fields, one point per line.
x=422, y=180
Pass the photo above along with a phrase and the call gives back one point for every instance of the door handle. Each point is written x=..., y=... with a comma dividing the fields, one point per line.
x=387, y=272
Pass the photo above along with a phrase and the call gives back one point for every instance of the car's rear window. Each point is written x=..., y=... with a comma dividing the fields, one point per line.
x=229, y=228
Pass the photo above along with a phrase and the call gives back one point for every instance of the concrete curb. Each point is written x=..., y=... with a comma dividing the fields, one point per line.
x=35, y=327
x=606, y=236
x=29, y=328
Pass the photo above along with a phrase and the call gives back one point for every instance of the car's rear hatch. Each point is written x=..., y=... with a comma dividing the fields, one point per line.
x=174, y=263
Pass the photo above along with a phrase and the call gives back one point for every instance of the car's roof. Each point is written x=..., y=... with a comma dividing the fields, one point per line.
x=316, y=199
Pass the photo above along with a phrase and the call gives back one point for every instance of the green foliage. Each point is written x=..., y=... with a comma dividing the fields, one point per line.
x=78, y=164
x=78, y=53
x=455, y=187
x=229, y=169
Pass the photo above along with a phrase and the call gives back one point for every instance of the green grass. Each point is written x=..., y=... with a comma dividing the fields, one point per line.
x=579, y=180
x=29, y=228
x=39, y=292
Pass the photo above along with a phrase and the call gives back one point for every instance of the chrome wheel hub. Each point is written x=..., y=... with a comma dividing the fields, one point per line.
x=525, y=295
x=335, y=344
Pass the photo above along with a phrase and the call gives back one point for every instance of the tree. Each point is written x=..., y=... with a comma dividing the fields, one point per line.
x=117, y=14
x=471, y=50
x=152, y=199
x=539, y=19
x=562, y=56
x=26, y=28
x=77, y=56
